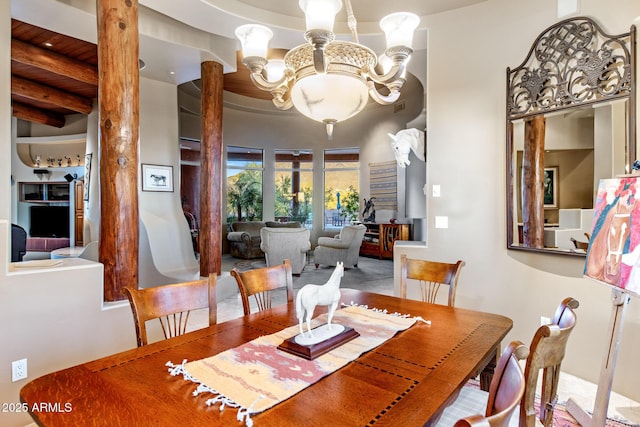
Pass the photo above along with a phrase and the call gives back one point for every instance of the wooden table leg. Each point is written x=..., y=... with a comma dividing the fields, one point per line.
x=487, y=373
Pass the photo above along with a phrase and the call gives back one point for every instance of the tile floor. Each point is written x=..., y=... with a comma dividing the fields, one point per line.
x=381, y=281
x=584, y=393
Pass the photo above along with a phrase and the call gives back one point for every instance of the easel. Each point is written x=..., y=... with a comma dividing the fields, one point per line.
x=620, y=300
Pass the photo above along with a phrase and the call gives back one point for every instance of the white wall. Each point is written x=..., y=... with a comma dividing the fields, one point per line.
x=469, y=51
x=162, y=223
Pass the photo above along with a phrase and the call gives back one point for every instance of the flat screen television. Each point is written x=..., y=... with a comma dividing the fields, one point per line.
x=49, y=221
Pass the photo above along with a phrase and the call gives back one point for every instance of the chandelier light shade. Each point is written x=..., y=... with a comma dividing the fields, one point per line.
x=254, y=39
x=399, y=28
x=325, y=79
x=320, y=14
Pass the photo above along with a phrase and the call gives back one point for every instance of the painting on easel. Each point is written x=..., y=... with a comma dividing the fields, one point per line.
x=613, y=256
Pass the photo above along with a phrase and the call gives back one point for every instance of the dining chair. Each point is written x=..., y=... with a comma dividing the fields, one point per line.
x=171, y=305
x=431, y=275
x=546, y=352
x=505, y=392
x=261, y=284
x=18, y=243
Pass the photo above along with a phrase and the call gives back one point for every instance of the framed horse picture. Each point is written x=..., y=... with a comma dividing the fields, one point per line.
x=551, y=187
x=613, y=256
x=157, y=178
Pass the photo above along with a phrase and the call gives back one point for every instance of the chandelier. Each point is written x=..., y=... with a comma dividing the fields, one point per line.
x=329, y=80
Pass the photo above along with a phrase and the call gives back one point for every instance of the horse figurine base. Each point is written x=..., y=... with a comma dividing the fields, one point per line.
x=320, y=333
x=314, y=350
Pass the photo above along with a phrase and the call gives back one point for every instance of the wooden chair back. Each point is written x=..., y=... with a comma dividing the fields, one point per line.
x=547, y=351
x=171, y=305
x=581, y=245
x=261, y=282
x=505, y=392
x=431, y=275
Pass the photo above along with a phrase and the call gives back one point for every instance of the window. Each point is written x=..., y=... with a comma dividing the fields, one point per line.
x=341, y=186
x=294, y=186
x=244, y=184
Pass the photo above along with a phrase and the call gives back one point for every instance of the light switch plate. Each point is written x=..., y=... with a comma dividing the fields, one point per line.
x=442, y=222
x=435, y=191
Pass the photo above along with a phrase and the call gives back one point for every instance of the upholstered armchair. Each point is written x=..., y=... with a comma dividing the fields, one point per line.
x=279, y=244
x=344, y=247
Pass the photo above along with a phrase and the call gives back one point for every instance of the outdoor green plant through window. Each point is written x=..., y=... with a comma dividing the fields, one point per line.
x=351, y=204
x=244, y=184
x=294, y=186
x=341, y=186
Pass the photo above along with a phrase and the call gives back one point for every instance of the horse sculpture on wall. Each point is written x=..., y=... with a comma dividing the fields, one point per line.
x=405, y=141
x=310, y=296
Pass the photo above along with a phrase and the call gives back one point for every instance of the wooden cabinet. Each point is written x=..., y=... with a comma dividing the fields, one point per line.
x=35, y=192
x=379, y=239
x=371, y=242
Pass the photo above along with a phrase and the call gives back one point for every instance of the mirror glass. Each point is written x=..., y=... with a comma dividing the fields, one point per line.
x=581, y=146
x=570, y=123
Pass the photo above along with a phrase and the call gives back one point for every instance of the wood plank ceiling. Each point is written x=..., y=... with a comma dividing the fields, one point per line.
x=53, y=75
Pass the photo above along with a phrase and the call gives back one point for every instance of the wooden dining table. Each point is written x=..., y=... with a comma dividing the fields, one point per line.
x=406, y=381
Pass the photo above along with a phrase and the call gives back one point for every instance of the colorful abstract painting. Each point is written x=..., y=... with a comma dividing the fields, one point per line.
x=613, y=256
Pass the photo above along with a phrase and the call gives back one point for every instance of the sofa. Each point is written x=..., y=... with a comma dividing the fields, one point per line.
x=244, y=237
x=280, y=243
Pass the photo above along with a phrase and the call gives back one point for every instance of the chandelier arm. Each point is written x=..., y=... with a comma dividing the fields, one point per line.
x=394, y=74
x=394, y=94
x=264, y=84
x=281, y=103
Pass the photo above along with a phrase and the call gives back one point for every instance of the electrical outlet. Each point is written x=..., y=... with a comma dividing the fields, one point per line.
x=544, y=320
x=18, y=370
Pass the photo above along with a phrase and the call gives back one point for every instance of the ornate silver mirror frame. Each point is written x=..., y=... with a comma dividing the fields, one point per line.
x=571, y=65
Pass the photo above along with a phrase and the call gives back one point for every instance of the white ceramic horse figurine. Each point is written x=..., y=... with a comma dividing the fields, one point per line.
x=407, y=140
x=310, y=296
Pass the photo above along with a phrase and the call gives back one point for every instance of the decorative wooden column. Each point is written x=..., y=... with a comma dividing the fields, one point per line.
x=533, y=182
x=118, y=96
x=211, y=173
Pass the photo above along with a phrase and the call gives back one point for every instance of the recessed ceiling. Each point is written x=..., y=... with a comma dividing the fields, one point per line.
x=367, y=10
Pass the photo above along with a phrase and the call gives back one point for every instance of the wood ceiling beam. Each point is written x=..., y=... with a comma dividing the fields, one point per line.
x=34, y=56
x=31, y=114
x=38, y=92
